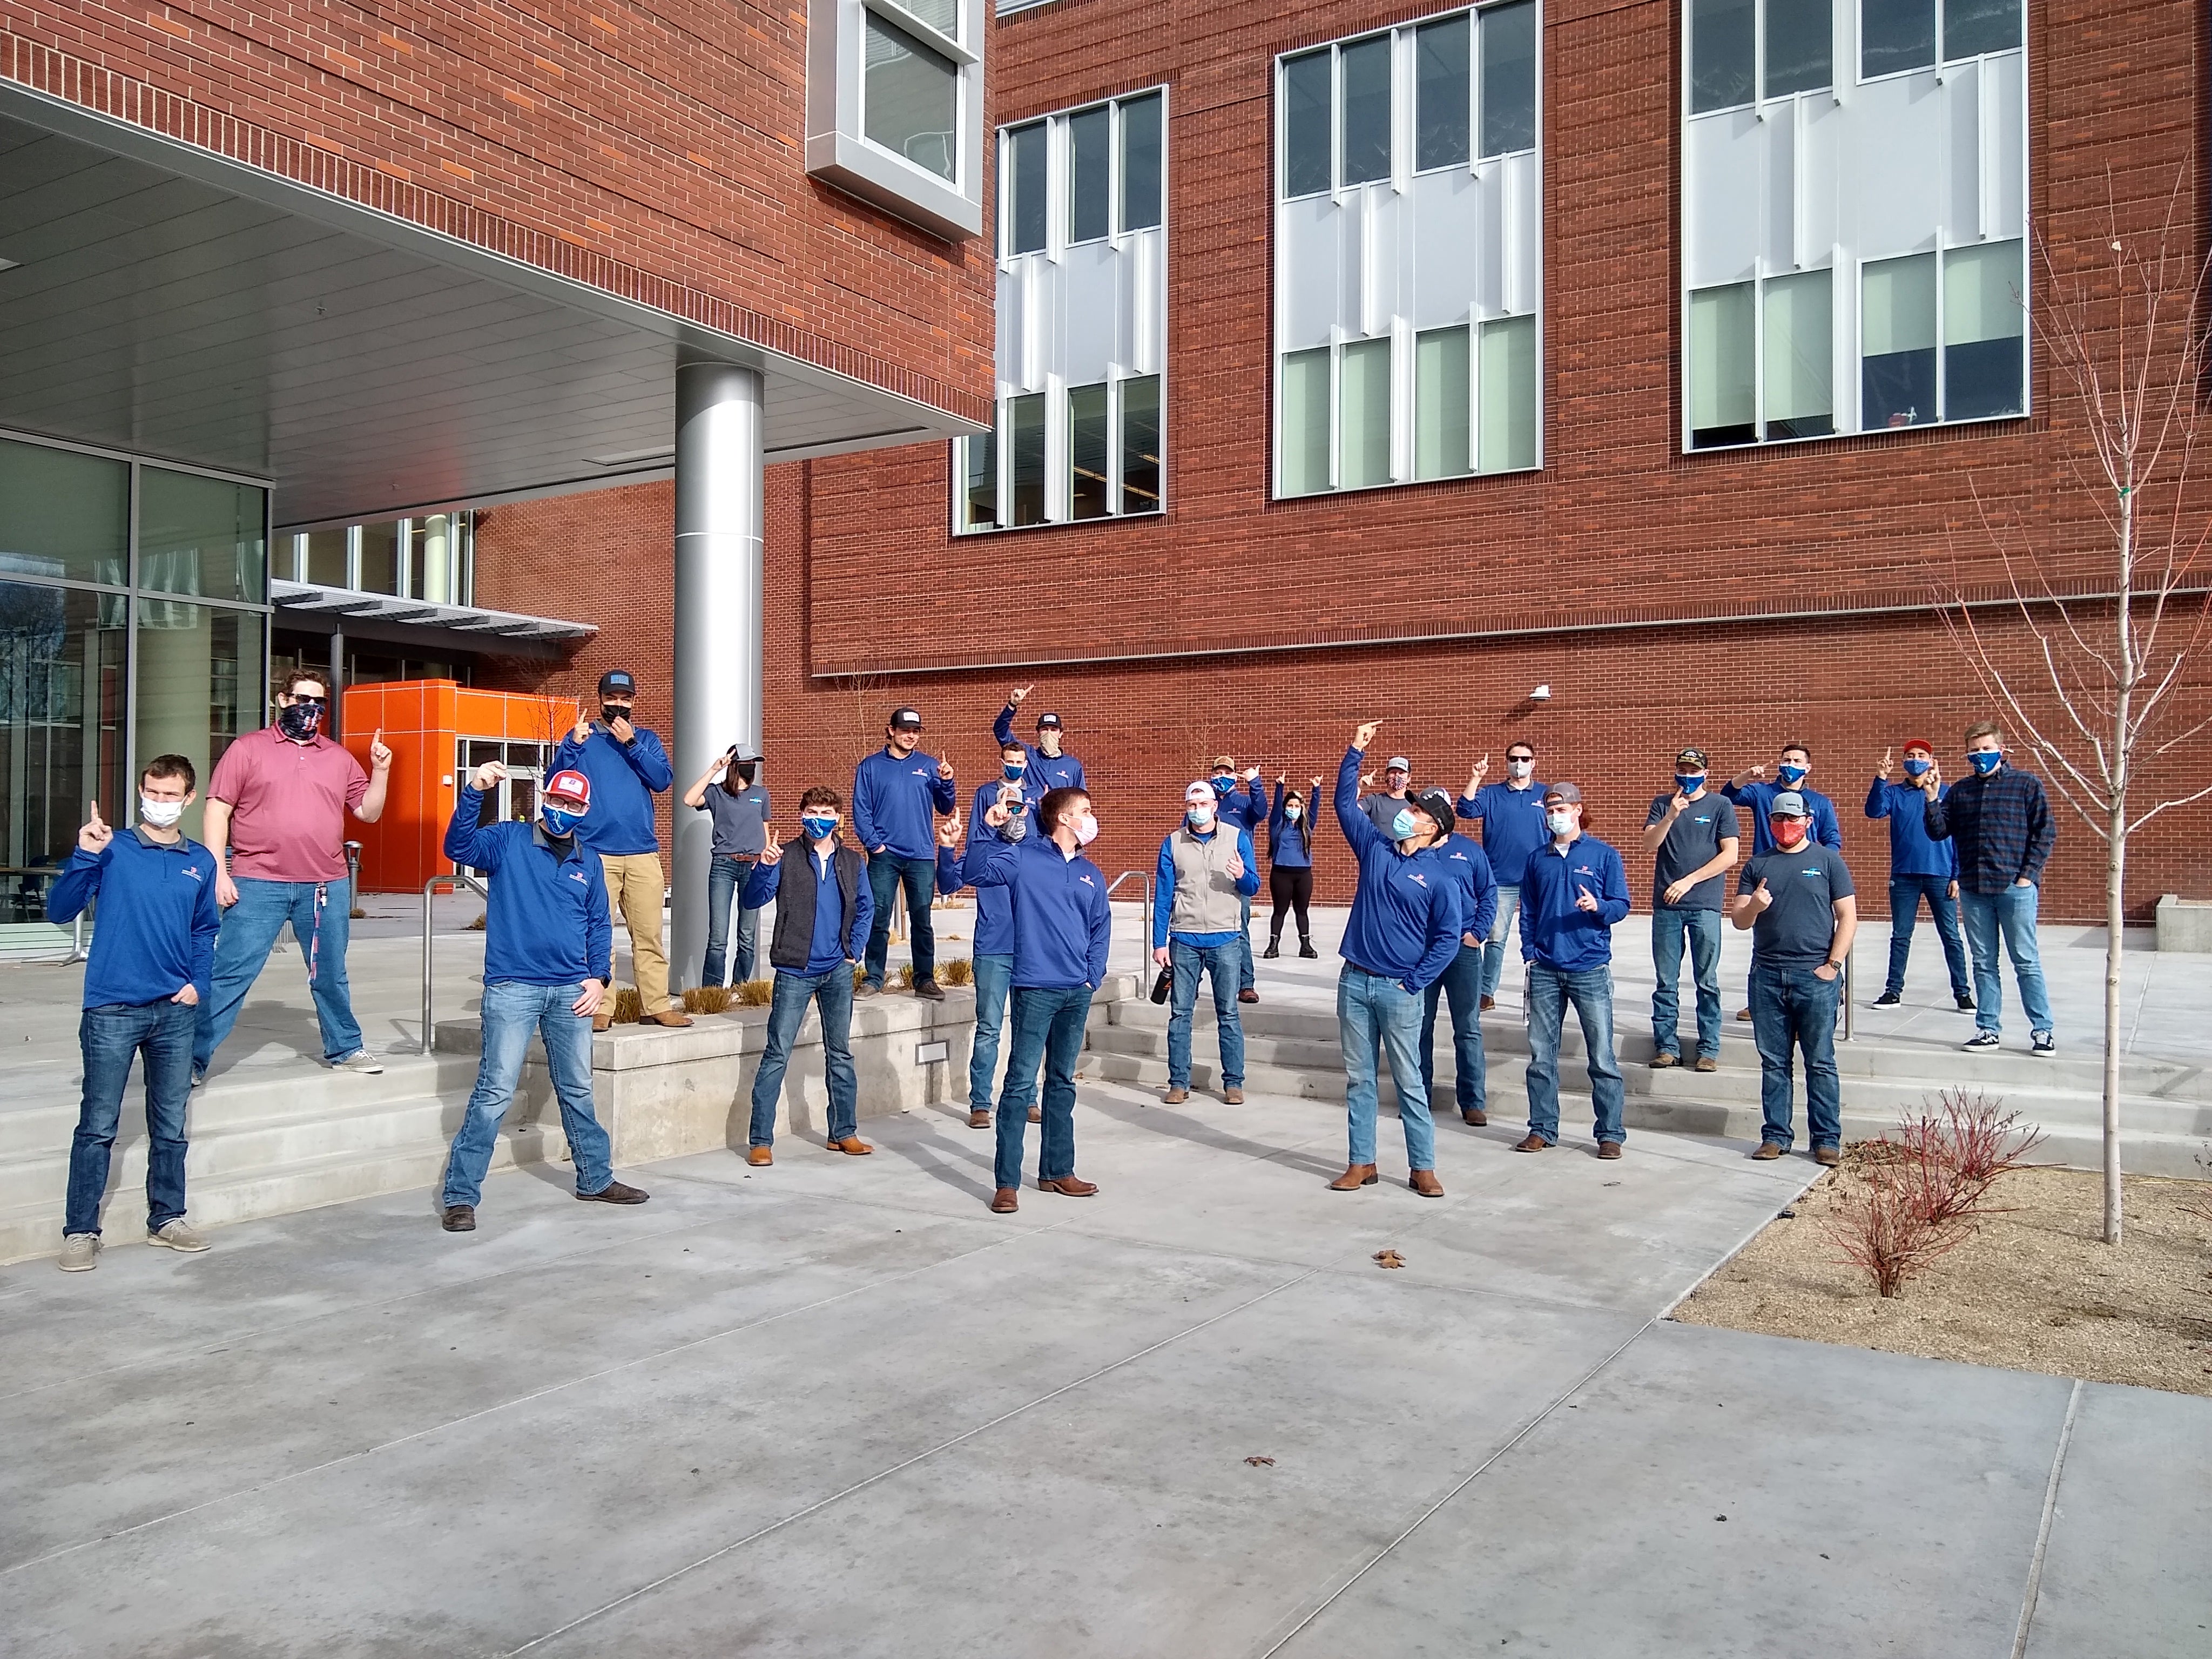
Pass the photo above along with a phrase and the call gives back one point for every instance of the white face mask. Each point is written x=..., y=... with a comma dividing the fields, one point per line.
x=1086, y=829
x=1563, y=824
x=159, y=813
x=1519, y=768
x=1200, y=814
x=1293, y=812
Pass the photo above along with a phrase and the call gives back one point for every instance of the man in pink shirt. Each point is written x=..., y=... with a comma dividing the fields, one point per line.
x=276, y=822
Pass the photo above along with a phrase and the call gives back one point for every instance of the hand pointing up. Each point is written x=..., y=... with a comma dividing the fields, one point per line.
x=96, y=834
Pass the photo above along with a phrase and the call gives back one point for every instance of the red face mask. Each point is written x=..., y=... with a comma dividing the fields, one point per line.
x=1788, y=833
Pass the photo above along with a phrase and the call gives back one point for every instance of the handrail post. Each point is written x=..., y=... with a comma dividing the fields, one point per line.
x=1851, y=1007
x=429, y=888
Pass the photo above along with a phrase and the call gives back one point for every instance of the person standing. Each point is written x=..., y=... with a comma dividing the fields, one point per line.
x=547, y=937
x=275, y=824
x=1242, y=808
x=1204, y=868
x=1511, y=814
x=1403, y=931
x=1049, y=767
x=1289, y=864
x=739, y=807
x=1573, y=892
x=1063, y=928
x=1919, y=868
x=150, y=971
x=1797, y=903
x=1460, y=985
x=1999, y=820
x=825, y=906
x=1751, y=790
x=898, y=794
x=628, y=766
x=1381, y=809
x=993, y=956
x=1691, y=834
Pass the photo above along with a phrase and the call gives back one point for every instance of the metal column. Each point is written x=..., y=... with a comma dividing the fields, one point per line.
x=718, y=615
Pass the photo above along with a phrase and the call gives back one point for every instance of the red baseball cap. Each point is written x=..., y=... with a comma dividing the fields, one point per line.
x=1920, y=743
x=569, y=786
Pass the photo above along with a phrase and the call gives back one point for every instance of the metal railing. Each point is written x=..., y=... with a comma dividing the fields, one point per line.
x=458, y=878
x=78, y=950
x=1145, y=947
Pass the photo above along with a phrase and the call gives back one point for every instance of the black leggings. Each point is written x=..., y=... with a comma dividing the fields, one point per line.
x=1292, y=886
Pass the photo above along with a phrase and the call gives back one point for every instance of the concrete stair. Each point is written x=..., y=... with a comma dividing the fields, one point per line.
x=2166, y=1113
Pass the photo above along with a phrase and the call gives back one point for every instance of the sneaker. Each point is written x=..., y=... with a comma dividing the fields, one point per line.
x=80, y=1252
x=1982, y=1040
x=1308, y=952
x=1966, y=1004
x=178, y=1235
x=2043, y=1043
x=1889, y=999
x=360, y=1060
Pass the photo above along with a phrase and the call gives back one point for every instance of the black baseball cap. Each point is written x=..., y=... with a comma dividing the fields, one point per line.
x=906, y=719
x=1694, y=755
x=1439, y=805
x=618, y=679
x=1051, y=720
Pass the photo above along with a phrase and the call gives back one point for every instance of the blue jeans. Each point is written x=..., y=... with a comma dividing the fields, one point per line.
x=241, y=951
x=1590, y=989
x=1460, y=987
x=831, y=992
x=1047, y=1035
x=725, y=878
x=1794, y=1008
x=1373, y=1012
x=994, y=978
x=1703, y=928
x=1244, y=944
x=512, y=1011
x=1905, y=893
x=887, y=872
x=1493, y=954
x=111, y=1037
x=2009, y=915
x=1193, y=962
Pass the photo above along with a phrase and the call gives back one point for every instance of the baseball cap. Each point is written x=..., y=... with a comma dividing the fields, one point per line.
x=1049, y=720
x=618, y=679
x=906, y=719
x=569, y=786
x=1920, y=743
x=1437, y=805
x=1199, y=792
x=1692, y=754
x=1399, y=763
x=1224, y=763
x=1563, y=792
x=1789, y=805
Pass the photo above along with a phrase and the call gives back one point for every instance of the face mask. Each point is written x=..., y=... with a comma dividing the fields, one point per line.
x=1689, y=784
x=1086, y=829
x=558, y=824
x=1985, y=761
x=1294, y=811
x=1402, y=826
x=159, y=813
x=1789, y=774
x=1013, y=771
x=1788, y=833
x=1519, y=768
x=611, y=711
x=301, y=720
x=1199, y=815
x=1917, y=769
x=1562, y=822
x=818, y=828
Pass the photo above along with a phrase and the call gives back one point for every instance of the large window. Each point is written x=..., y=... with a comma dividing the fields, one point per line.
x=1899, y=35
x=1777, y=46
x=894, y=106
x=431, y=558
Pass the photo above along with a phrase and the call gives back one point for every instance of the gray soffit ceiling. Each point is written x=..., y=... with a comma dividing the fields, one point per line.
x=172, y=303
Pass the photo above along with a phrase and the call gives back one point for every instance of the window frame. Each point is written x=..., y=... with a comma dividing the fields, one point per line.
x=1939, y=66
x=838, y=149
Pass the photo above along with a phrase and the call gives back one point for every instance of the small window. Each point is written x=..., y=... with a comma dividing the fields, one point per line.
x=1307, y=124
x=1897, y=300
x=1025, y=451
x=1027, y=170
x=1973, y=27
x=1509, y=78
x=1443, y=89
x=1364, y=415
x=911, y=99
x=1304, y=445
x=1895, y=35
x=1140, y=444
x=326, y=558
x=380, y=558
x=1442, y=403
x=1798, y=359
x=1800, y=47
x=1723, y=44
x=1140, y=163
x=1366, y=111
x=1509, y=395
x=1723, y=395
x=1086, y=452
x=1983, y=330
x=982, y=491
x=1090, y=174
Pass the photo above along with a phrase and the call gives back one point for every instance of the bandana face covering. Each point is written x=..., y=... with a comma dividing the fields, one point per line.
x=301, y=720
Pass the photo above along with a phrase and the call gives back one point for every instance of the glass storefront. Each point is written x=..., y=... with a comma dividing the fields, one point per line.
x=431, y=558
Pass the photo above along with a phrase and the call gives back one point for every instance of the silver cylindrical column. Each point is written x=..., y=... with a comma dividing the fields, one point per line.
x=718, y=615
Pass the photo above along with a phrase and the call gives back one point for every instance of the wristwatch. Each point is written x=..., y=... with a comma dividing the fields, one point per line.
x=1833, y=963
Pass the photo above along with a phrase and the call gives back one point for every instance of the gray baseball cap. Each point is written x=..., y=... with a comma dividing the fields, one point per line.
x=1789, y=805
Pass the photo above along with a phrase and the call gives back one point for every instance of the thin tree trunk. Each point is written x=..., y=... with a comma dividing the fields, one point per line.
x=2116, y=845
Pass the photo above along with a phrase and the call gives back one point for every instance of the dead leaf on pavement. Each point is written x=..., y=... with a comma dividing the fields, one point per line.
x=1388, y=1259
x=1256, y=1461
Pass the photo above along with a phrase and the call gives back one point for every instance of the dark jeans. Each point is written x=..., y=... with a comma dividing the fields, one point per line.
x=1702, y=929
x=112, y=1036
x=994, y=979
x=725, y=878
x=1550, y=991
x=1794, y=1008
x=1460, y=987
x=1194, y=962
x=1291, y=888
x=320, y=928
x=831, y=992
x=887, y=872
x=1905, y=893
x=1048, y=1035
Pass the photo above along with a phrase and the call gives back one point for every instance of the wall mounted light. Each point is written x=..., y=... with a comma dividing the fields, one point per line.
x=1542, y=694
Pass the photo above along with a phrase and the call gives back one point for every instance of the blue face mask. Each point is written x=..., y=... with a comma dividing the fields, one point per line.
x=1690, y=783
x=1985, y=761
x=1403, y=825
x=1199, y=818
x=1917, y=769
x=1012, y=770
x=1790, y=773
x=558, y=823
x=816, y=828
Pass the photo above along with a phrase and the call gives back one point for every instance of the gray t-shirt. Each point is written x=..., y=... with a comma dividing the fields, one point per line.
x=1694, y=841
x=740, y=820
x=1794, y=931
x=1382, y=809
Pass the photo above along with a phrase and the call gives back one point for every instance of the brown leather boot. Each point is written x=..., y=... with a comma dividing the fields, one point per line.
x=1232, y=1096
x=1036, y=1114
x=1358, y=1176
x=669, y=1017
x=1174, y=1096
x=1534, y=1143
x=1475, y=1116
x=1006, y=1201
x=978, y=1120
x=852, y=1145
x=759, y=1156
x=603, y=1019
x=1424, y=1183
x=1067, y=1185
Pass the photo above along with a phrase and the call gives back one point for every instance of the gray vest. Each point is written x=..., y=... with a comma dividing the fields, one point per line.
x=1206, y=896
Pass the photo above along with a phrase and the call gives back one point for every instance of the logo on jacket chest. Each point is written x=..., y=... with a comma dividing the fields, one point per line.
x=1416, y=876
x=193, y=870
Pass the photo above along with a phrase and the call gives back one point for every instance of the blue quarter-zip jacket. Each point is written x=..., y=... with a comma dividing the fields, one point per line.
x=1468, y=866
x=546, y=922
x=1759, y=796
x=995, y=905
x=896, y=801
x=1164, y=887
x=1555, y=931
x=1512, y=825
x=157, y=918
x=625, y=777
x=1404, y=913
x=1290, y=845
x=1062, y=922
x=1912, y=850
x=1245, y=805
x=1060, y=771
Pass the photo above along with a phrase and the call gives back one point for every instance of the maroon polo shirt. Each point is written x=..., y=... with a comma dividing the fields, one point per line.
x=289, y=802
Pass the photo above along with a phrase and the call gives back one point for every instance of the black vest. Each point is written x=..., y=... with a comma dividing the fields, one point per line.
x=794, y=904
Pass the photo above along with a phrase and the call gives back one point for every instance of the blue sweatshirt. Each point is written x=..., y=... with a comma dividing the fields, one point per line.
x=995, y=905
x=1063, y=924
x=1512, y=825
x=157, y=918
x=546, y=922
x=1060, y=771
x=625, y=777
x=824, y=949
x=1912, y=850
x=1163, y=886
x=1290, y=845
x=1245, y=806
x=1404, y=913
x=1555, y=931
x=1468, y=866
x=1758, y=795
x=896, y=801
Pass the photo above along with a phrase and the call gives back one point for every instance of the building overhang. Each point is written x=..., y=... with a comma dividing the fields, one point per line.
x=433, y=629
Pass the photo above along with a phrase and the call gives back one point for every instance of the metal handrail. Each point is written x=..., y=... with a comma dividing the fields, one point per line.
x=1146, y=876
x=459, y=878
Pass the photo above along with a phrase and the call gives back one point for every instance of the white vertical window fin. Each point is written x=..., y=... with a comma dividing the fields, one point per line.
x=1056, y=171
x=1401, y=110
x=1987, y=131
x=1114, y=383
x=1055, y=448
x=1402, y=399
x=1369, y=309
x=1510, y=231
x=1799, y=127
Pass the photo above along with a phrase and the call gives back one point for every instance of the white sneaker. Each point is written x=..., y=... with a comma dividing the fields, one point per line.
x=178, y=1235
x=80, y=1252
x=360, y=1060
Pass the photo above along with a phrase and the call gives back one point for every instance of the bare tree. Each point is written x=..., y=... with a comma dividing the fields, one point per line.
x=2114, y=619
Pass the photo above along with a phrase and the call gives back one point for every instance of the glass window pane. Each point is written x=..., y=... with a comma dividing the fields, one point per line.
x=326, y=558
x=1086, y=452
x=943, y=16
x=1090, y=174
x=1306, y=134
x=201, y=536
x=1304, y=446
x=1721, y=393
x=1026, y=171
x=63, y=514
x=61, y=739
x=982, y=498
x=1800, y=47
x=1721, y=42
x=1509, y=395
x=1140, y=444
x=1896, y=34
x=1366, y=111
x=199, y=684
x=1140, y=163
x=1800, y=355
x=380, y=558
x=910, y=100
x=1984, y=325
x=1897, y=334
x=1026, y=449
x=1441, y=403
x=1442, y=93
x=1362, y=423
x=1978, y=25
x=1509, y=78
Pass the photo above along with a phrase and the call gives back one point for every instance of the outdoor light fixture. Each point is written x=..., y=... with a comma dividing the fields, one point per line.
x=1542, y=694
